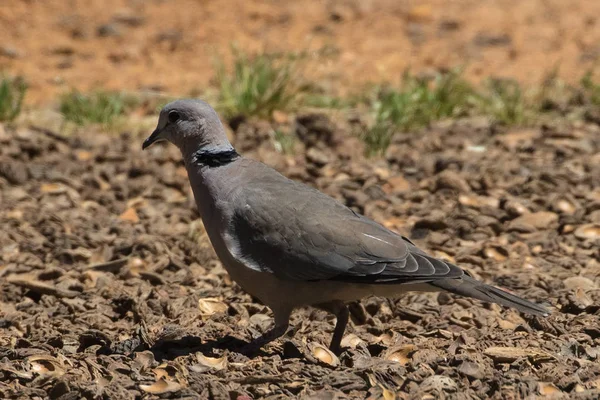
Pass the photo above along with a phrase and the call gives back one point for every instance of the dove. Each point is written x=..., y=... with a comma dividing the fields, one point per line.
x=290, y=245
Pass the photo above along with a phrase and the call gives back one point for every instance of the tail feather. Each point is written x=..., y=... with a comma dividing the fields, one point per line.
x=469, y=287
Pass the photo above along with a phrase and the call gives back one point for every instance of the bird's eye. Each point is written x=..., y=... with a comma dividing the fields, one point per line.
x=173, y=116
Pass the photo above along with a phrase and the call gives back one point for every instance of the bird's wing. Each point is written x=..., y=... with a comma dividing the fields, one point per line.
x=298, y=233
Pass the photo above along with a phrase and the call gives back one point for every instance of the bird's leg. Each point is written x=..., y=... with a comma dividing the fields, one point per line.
x=340, y=326
x=282, y=318
x=340, y=310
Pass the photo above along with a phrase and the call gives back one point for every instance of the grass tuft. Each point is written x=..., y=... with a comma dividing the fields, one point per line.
x=416, y=104
x=95, y=108
x=421, y=101
x=590, y=88
x=258, y=85
x=12, y=93
x=284, y=142
x=504, y=101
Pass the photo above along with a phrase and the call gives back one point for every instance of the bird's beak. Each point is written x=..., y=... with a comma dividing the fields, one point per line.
x=154, y=137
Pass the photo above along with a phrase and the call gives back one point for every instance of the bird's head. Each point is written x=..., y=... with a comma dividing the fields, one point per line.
x=191, y=125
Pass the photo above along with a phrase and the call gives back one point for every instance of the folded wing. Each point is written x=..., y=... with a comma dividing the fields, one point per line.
x=310, y=236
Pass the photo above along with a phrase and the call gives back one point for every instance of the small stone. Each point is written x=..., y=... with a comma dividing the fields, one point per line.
x=9, y=52
x=534, y=221
x=107, y=30
x=515, y=209
x=130, y=19
x=438, y=383
x=317, y=156
x=396, y=184
x=449, y=25
x=575, y=282
x=280, y=117
x=451, y=180
x=519, y=138
x=382, y=173
x=565, y=206
x=485, y=39
x=471, y=369
x=478, y=201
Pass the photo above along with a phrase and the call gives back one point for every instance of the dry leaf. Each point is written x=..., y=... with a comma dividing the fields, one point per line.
x=547, y=389
x=130, y=215
x=52, y=188
x=511, y=354
x=324, y=355
x=161, y=386
x=588, y=231
x=504, y=324
x=102, y=184
x=210, y=306
x=351, y=340
x=41, y=287
x=205, y=363
x=137, y=202
x=83, y=155
x=400, y=354
x=495, y=253
x=388, y=394
x=46, y=365
x=14, y=214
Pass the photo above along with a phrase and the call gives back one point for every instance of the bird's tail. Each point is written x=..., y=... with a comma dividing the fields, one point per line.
x=469, y=287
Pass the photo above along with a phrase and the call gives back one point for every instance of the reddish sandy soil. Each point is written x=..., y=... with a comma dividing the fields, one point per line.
x=170, y=45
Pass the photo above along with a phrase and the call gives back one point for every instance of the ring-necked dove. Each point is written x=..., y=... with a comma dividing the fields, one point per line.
x=290, y=245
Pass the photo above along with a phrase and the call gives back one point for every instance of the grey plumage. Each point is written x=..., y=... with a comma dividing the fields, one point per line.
x=291, y=245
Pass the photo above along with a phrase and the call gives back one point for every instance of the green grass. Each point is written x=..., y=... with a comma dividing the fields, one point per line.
x=590, y=88
x=284, y=142
x=257, y=85
x=326, y=101
x=419, y=102
x=100, y=107
x=12, y=93
x=504, y=101
x=416, y=104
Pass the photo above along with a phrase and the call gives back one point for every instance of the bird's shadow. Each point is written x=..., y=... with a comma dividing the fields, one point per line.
x=167, y=349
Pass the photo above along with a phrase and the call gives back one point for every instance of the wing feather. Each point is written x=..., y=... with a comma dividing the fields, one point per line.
x=298, y=233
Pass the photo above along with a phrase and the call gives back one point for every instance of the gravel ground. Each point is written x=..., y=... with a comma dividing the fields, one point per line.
x=109, y=287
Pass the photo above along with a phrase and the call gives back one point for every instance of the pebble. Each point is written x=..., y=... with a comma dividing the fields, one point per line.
x=534, y=221
x=582, y=282
x=108, y=30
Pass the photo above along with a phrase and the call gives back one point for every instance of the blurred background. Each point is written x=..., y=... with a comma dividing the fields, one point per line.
x=171, y=46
